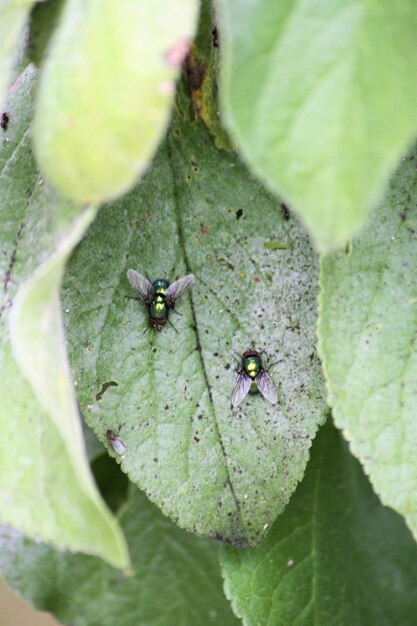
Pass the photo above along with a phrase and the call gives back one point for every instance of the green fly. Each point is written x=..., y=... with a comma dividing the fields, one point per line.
x=253, y=378
x=159, y=296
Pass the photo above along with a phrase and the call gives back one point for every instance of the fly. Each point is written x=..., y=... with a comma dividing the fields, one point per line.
x=117, y=443
x=159, y=296
x=253, y=378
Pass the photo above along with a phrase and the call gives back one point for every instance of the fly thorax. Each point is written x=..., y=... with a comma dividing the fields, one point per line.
x=160, y=285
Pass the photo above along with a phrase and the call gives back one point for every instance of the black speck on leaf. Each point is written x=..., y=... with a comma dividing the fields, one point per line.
x=4, y=120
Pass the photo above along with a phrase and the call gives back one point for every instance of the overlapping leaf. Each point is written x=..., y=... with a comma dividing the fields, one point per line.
x=176, y=578
x=13, y=16
x=44, y=472
x=321, y=97
x=216, y=471
x=368, y=331
x=106, y=89
x=336, y=555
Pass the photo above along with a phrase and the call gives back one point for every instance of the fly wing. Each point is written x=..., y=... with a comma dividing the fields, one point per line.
x=141, y=285
x=241, y=388
x=118, y=445
x=177, y=288
x=266, y=387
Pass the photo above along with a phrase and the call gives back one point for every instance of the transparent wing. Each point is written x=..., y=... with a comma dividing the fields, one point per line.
x=266, y=387
x=177, y=288
x=241, y=388
x=118, y=445
x=141, y=285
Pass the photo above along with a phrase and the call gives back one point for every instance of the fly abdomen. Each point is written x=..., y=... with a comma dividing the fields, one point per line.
x=158, y=309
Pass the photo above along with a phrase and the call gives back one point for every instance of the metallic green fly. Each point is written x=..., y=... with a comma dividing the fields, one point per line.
x=159, y=296
x=253, y=378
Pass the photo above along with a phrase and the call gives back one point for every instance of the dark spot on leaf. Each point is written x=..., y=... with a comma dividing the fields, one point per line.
x=285, y=211
x=196, y=439
x=195, y=73
x=215, y=37
x=104, y=387
x=166, y=407
x=227, y=366
x=4, y=120
x=239, y=214
x=227, y=263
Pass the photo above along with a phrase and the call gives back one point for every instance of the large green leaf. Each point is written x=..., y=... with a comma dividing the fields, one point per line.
x=336, y=556
x=106, y=90
x=368, y=330
x=321, y=97
x=176, y=577
x=46, y=487
x=216, y=471
x=13, y=17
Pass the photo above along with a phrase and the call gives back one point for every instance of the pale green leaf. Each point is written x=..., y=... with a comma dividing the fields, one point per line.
x=321, y=97
x=335, y=557
x=176, y=577
x=46, y=490
x=219, y=472
x=106, y=89
x=13, y=17
x=368, y=331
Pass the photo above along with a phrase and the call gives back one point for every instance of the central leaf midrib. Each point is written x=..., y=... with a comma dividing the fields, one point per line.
x=195, y=325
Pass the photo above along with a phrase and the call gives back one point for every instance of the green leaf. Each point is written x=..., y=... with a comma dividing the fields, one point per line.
x=215, y=471
x=336, y=556
x=44, y=471
x=367, y=331
x=321, y=97
x=176, y=577
x=201, y=68
x=13, y=17
x=106, y=90
x=44, y=19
